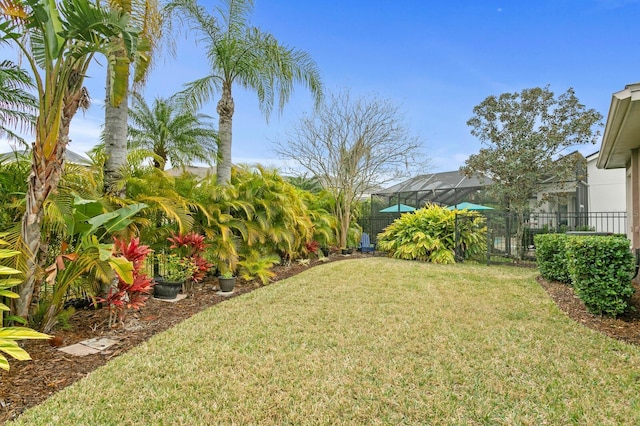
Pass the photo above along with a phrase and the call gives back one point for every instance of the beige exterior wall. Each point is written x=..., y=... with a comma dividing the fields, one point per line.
x=634, y=186
x=607, y=191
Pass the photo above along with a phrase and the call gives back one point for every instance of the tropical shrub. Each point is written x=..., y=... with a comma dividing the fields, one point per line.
x=133, y=294
x=192, y=247
x=255, y=264
x=551, y=256
x=601, y=269
x=89, y=259
x=10, y=335
x=429, y=234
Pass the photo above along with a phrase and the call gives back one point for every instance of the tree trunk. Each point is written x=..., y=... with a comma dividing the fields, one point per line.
x=343, y=215
x=225, y=110
x=44, y=178
x=115, y=142
x=344, y=228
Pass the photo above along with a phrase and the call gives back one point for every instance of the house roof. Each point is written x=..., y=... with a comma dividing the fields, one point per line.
x=69, y=156
x=622, y=129
x=441, y=188
x=200, y=172
x=436, y=181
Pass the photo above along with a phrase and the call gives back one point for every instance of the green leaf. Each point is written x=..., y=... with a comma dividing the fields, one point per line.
x=123, y=268
x=11, y=348
x=5, y=270
x=83, y=210
x=4, y=253
x=9, y=294
x=117, y=220
x=19, y=333
x=4, y=364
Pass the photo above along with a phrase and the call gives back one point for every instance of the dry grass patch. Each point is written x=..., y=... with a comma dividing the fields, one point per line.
x=368, y=341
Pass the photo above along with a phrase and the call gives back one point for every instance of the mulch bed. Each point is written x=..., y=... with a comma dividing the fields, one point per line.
x=625, y=327
x=29, y=383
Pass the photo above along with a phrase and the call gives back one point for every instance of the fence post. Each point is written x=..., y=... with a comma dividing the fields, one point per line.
x=456, y=239
x=507, y=237
x=489, y=239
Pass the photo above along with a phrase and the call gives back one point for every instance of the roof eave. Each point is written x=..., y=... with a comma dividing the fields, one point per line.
x=624, y=113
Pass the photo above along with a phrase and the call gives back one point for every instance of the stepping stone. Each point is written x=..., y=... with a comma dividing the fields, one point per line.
x=88, y=347
x=99, y=343
x=177, y=299
x=79, y=350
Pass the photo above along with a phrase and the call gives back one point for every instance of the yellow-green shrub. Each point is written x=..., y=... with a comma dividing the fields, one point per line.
x=429, y=234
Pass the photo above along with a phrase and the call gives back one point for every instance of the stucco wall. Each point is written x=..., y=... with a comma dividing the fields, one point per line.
x=606, y=188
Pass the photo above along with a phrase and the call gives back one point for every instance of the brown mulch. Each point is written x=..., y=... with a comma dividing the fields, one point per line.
x=29, y=383
x=625, y=327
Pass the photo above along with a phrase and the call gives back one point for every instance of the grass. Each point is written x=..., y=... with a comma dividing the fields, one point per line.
x=368, y=341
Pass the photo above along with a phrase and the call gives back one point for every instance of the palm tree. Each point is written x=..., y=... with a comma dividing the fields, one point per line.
x=241, y=54
x=172, y=132
x=58, y=40
x=146, y=15
x=17, y=105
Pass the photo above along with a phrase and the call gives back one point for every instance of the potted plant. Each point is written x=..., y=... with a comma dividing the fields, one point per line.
x=174, y=271
x=227, y=281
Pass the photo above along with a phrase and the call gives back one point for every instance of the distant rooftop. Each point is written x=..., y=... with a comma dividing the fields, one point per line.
x=444, y=188
x=436, y=181
x=198, y=171
x=69, y=156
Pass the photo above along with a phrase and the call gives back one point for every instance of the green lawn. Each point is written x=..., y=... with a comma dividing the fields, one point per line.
x=368, y=341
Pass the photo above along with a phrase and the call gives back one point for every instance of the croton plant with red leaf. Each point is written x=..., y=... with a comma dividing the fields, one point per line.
x=312, y=246
x=192, y=246
x=129, y=296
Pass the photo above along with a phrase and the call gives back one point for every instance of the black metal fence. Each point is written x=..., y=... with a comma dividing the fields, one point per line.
x=502, y=228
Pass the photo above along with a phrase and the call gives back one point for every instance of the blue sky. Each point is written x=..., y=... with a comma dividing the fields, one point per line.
x=436, y=59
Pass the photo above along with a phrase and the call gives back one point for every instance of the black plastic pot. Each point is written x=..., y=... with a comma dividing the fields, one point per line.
x=164, y=289
x=226, y=284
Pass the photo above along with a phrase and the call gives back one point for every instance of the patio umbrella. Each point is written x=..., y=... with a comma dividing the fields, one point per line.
x=468, y=206
x=402, y=208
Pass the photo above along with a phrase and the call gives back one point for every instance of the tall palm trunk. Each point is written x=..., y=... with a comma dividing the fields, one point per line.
x=115, y=141
x=44, y=178
x=225, y=110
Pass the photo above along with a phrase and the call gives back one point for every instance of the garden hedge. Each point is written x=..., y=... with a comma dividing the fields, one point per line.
x=601, y=269
x=551, y=257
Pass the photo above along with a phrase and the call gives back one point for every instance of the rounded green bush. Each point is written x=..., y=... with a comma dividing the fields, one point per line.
x=601, y=269
x=429, y=234
x=551, y=257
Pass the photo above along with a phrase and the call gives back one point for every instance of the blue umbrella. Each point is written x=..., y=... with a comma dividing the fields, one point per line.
x=402, y=208
x=468, y=206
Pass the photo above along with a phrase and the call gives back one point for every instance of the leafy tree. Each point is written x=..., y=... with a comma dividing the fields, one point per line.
x=17, y=105
x=146, y=15
x=525, y=133
x=172, y=131
x=57, y=40
x=240, y=54
x=351, y=145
